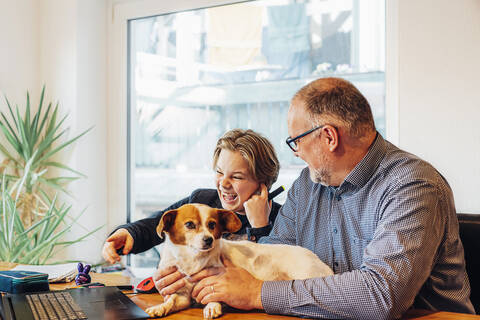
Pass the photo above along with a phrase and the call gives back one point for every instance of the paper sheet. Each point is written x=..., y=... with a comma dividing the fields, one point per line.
x=56, y=272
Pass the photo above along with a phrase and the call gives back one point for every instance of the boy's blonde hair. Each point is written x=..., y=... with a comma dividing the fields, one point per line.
x=255, y=149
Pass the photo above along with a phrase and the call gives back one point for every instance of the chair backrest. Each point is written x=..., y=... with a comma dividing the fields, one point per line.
x=470, y=235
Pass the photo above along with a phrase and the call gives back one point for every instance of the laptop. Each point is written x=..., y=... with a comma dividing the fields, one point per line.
x=93, y=303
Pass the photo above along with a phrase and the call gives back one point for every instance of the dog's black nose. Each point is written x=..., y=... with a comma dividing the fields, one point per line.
x=208, y=241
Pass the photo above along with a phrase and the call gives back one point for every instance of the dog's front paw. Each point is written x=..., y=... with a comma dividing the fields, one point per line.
x=212, y=310
x=159, y=310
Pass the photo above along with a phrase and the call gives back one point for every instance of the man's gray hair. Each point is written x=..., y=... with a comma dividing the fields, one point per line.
x=340, y=99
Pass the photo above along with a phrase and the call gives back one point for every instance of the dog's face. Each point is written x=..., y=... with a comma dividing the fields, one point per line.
x=197, y=225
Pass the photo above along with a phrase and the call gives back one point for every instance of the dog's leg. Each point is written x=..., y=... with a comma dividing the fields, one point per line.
x=212, y=310
x=172, y=303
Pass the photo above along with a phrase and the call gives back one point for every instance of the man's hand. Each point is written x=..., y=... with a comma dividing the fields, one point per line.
x=232, y=285
x=168, y=280
x=120, y=238
x=258, y=208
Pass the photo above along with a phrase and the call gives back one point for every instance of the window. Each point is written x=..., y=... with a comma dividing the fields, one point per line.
x=195, y=74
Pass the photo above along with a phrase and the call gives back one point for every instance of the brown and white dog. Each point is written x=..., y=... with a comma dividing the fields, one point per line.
x=193, y=242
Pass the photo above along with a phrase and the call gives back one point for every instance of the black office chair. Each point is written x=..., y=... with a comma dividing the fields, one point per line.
x=470, y=236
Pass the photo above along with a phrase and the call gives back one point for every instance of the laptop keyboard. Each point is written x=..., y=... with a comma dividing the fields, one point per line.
x=55, y=306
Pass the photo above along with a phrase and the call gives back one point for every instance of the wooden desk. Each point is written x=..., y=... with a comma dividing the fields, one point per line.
x=147, y=300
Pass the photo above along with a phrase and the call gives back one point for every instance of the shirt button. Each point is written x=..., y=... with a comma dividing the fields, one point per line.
x=334, y=230
x=339, y=198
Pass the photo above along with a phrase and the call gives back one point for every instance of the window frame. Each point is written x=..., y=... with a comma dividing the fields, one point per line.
x=119, y=167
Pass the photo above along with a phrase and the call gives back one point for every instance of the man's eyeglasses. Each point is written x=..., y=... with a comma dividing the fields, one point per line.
x=292, y=142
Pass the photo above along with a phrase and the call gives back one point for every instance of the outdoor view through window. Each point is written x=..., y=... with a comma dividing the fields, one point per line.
x=195, y=74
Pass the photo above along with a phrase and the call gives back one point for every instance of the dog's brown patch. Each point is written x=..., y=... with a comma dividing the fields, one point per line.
x=216, y=221
x=166, y=222
x=173, y=222
x=229, y=220
x=248, y=253
x=260, y=261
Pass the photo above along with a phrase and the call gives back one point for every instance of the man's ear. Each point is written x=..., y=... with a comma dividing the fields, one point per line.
x=166, y=222
x=229, y=220
x=331, y=134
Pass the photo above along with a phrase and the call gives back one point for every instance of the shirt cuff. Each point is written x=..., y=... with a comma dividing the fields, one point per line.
x=254, y=234
x=274, y=296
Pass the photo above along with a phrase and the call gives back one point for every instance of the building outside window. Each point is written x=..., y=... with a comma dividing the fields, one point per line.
x=195, y=74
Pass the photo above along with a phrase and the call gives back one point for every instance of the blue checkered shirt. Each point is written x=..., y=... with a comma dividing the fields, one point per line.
x=390, y=234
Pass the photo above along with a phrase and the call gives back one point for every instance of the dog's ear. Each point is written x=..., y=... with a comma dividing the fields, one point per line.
x=166, y=222
x=229, y=220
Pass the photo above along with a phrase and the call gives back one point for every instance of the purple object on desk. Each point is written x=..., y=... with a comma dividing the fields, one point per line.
x=83, y=276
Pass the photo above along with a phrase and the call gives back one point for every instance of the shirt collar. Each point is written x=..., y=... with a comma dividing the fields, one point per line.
x=362, y=172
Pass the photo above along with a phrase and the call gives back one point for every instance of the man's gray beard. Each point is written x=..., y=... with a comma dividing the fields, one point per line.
x=320, y=176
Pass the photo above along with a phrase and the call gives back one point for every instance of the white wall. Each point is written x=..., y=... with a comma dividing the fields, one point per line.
x=439, y=90
x=19, y=48
x=62, y=43
x=91, y=110
x=73, y=37
x=73, y=65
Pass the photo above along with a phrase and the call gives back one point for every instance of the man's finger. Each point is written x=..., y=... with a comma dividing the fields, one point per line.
x=174, y=287
x=160, y=273
x=163, y=283
x=199, y=287
x=212, y=297
x=206, y=273
x=207, y=292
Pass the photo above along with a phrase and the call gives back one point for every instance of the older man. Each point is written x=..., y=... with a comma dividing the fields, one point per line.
x=382, y=218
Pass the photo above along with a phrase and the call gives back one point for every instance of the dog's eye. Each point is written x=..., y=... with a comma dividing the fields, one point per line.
x=190, y=225
x=211, y=225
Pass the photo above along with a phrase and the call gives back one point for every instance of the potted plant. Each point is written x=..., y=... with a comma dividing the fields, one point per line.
x=32, y=222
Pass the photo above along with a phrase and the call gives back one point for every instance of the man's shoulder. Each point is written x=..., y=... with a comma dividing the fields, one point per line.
x=402, y=166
